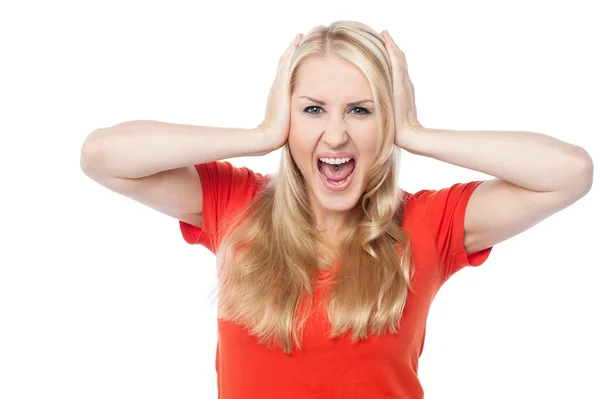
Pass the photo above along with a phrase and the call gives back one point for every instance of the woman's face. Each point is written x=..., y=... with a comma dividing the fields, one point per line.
x=332, y=127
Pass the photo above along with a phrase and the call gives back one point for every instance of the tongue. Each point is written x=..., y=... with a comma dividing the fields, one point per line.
x=343, y=170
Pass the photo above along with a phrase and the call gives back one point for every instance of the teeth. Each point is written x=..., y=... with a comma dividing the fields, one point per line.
x=335, y=161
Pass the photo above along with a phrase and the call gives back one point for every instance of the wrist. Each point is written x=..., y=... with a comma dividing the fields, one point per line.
x=413, y=140
x=263, y=142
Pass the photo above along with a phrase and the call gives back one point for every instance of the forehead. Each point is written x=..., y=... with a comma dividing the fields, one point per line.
x=331, y=76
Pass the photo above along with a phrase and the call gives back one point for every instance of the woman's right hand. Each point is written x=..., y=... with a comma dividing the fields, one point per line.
x=276, y=125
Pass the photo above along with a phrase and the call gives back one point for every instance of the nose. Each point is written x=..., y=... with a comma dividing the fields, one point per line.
x=335, y=134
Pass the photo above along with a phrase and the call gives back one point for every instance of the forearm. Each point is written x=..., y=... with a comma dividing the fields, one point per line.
x=530, y=160
x=142, y=148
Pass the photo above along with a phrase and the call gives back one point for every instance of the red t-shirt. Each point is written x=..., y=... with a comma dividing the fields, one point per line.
x=380, y=367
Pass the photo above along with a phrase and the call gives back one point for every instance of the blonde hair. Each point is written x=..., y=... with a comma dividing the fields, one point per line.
x=267, y=263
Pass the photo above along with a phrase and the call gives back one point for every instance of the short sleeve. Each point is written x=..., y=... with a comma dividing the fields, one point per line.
x=444, y=214
x=226, y=190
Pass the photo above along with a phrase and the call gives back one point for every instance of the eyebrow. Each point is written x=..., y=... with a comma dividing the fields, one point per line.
x=323, y=102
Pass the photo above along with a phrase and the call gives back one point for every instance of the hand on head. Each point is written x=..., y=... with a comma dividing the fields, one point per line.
x=276, y=125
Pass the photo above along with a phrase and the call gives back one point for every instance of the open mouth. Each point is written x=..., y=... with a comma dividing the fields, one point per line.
x=337, y=175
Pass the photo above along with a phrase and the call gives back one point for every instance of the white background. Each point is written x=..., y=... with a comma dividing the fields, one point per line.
x=100, y=297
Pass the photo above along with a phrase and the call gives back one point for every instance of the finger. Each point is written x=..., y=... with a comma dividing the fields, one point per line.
x=388, y=38
x=295, y=42
x=291, y=48
x=399, y=58
x=394, y=48
x=397, y=72
x=399, y=55
x=393, y=54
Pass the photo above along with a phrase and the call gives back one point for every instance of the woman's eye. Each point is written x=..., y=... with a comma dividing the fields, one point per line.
x=366, y=111
x=312, y=106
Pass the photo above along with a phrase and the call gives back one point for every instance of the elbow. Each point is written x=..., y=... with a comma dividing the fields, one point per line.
x=585, y=171
x=90, y=153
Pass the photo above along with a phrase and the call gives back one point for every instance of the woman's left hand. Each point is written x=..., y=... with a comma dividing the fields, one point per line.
x=405, y=110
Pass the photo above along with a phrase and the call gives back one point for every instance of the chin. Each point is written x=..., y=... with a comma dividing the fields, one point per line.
x=337, y=201
x=339, y=204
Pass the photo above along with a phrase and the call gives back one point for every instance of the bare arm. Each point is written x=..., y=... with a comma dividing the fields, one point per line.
x=153, y=162
x=142, y=148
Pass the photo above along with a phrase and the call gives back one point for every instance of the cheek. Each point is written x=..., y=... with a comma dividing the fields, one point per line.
x=370, y=144
x=369, y=140
x=367, y=146
x=301, y=148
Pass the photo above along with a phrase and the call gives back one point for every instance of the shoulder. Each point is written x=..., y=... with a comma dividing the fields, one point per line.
x=433, y=202
x=411, y=202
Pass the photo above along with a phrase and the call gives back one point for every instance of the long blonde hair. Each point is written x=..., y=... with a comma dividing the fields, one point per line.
x=266, y=263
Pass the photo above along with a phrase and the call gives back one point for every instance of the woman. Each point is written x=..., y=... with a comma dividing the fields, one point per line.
x=326, y=269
